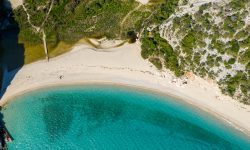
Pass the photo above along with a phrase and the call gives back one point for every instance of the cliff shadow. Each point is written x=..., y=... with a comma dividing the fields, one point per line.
x=4, y=133
x=11, y=57
x=11, y=51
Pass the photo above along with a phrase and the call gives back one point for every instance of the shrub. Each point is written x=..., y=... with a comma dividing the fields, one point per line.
x=132, y=36
x=231, y=61
x=188, y=43
x=156, y=62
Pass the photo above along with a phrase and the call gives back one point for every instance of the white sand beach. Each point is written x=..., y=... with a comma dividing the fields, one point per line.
x=124, y=65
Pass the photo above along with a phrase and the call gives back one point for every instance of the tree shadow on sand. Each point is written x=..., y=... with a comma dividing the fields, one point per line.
x=11, y=55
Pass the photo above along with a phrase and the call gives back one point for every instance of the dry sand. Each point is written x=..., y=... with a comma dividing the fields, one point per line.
x=15, y=3
x=124, y=65
x=144, y=2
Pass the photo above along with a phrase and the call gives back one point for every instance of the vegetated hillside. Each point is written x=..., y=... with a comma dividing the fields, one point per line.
x=210, y=38
x=70, y=20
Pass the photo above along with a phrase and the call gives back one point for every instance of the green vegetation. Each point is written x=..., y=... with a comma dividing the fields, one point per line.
x=203, y=45
x=154, y=45
x=71, y=20
x=188, y=42
x=237, y=5
x=234, y=48
x=148, y=47
x=244, y=57
x=156, y=62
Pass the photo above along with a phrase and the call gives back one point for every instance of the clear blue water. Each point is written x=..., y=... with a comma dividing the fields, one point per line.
x=113, y=118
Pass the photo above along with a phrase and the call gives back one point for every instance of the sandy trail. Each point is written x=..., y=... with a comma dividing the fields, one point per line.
x=128, y=14
x=144, y=2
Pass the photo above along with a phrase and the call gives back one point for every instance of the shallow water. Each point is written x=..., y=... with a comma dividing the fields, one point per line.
x=112, y=117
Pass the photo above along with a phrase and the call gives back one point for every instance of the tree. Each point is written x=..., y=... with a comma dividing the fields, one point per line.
x=40, y=19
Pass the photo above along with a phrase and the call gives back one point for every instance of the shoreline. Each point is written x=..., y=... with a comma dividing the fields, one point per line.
x=124, y=66
x=177, y=98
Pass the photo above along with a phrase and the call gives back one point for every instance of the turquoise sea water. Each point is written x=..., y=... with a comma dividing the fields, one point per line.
x=113, y=118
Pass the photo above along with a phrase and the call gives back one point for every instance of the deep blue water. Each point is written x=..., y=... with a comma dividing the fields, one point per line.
x=113, y=118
